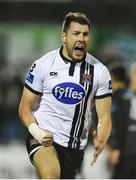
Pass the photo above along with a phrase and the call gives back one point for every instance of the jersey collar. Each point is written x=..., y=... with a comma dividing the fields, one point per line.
x=68, y=60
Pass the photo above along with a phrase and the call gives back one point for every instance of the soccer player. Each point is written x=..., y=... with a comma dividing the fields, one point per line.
x=60, y=91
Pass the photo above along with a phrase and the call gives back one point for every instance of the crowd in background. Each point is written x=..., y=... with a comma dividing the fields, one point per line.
x=121, y=146
x=10, y=92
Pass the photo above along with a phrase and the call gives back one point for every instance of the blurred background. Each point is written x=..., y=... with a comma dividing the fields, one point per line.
x=29, y=29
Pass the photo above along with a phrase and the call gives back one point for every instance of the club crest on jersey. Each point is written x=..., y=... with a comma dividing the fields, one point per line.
x=69, y=93
x=86, y=78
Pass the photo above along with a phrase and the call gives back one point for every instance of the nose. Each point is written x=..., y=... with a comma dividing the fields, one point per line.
x=81, y=37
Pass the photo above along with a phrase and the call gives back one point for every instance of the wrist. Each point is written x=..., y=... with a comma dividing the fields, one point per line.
x=102, y=142
x=36, y=132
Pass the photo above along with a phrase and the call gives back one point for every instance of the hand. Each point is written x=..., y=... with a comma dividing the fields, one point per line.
x=98, y=147
x=47, y=139
x=44, y=137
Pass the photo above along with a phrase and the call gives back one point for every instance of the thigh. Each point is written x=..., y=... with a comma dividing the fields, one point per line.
x=46, y=162
x=43, y=158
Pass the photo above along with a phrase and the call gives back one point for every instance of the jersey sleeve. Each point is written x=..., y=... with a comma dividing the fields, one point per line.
x=34, y=80
x=104, y=85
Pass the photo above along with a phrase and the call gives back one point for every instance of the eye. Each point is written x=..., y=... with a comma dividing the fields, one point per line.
x=86, y=34
x=76, y=33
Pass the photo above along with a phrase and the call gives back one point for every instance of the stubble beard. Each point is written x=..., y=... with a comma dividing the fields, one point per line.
x=70, y=54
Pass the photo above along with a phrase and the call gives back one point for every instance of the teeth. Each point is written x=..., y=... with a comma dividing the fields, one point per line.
x=79, y=49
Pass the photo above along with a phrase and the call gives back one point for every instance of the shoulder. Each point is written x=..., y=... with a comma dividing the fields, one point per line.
x=47, y=58
x=42, y=65
x=95, y=62
x=99, y=68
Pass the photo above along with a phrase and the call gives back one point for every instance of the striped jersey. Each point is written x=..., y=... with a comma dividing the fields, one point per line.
x=67, y=91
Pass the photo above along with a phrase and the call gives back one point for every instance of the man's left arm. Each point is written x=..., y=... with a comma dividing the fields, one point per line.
x=100, y=137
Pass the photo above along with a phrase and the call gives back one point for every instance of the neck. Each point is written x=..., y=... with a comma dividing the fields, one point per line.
x=65, y=56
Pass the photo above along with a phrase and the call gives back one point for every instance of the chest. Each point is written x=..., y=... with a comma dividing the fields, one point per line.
x=78, y=73
x=69, y=83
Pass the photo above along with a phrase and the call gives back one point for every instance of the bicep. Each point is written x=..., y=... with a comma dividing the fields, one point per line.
x=28, y=99
x=103, y=107
x=26, y=106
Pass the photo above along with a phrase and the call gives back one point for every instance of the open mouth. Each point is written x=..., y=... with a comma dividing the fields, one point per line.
x=79, y=49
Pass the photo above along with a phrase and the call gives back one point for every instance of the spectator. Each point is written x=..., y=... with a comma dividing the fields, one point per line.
x=121, y=147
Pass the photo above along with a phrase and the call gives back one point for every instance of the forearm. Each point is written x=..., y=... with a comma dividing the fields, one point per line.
x=26, y=116
x=29, y=121
x=104, y=130
x=27, y=103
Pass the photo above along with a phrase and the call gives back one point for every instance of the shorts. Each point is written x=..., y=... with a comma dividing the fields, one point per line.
x=70, y=159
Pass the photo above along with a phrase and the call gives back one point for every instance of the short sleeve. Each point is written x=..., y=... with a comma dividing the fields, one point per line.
x=34, y=80
x=104, y=85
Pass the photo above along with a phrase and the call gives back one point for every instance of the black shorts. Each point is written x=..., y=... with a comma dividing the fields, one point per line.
x=70, y=159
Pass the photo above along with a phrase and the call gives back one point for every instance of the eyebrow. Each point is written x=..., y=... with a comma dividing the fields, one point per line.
x=81, y=31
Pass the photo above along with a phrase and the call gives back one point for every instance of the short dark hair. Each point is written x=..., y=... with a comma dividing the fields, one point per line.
x=74, y=17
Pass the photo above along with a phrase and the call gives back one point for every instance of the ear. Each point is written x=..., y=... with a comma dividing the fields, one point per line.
x=63, y=37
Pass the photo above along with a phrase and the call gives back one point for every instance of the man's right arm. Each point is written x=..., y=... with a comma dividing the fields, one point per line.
x=27, y=103
x=26, y=106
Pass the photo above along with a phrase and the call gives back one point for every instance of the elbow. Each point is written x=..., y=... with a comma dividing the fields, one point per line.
x=109, y=126
x=20, y=112
x=109, y=122
x=106, y=123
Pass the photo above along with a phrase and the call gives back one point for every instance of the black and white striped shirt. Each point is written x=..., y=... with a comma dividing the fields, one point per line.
x=67, y=91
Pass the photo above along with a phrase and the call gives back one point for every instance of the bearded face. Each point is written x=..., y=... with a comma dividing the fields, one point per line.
x=75, y=41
